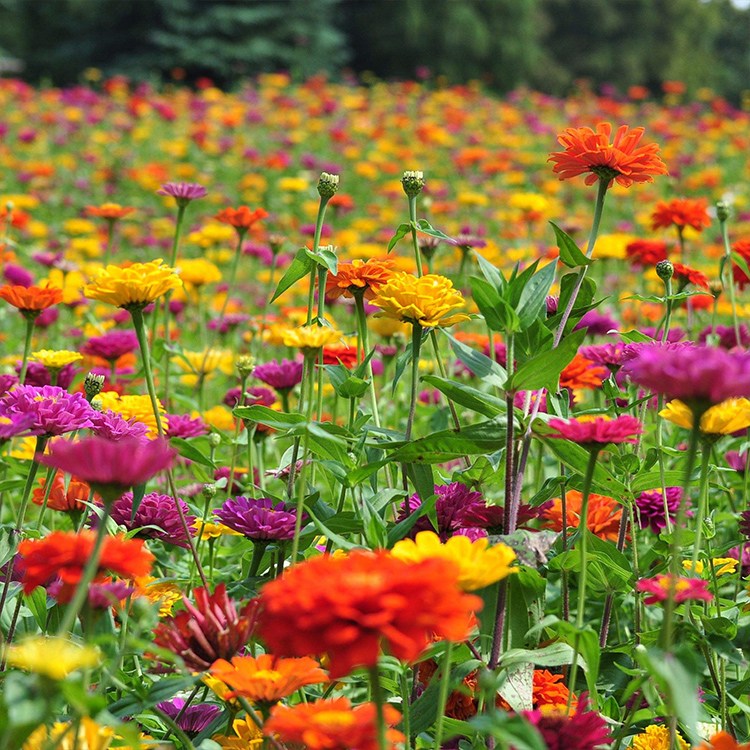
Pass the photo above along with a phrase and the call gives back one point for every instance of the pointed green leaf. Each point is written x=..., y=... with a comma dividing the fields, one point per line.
x=570, y=253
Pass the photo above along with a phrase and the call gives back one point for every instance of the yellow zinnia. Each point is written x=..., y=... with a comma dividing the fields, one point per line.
x=198, y=271
x=135, y=286
x=52, y=657
x=722, y=419
x=656, y=737
x=310, y=338
x=135, y=407
x=56, y=359
x=427, y=301
x=90, y=736
x=204, y=364
x=248, y=736
x=479, y=564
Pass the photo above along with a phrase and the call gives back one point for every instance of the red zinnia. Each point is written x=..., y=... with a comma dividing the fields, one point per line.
x=350, y=607
x=681, y=212
x=722, y=741
x=687, y=275
x=583, y=730
x=598, y=431
x=359, y=277
x=63, y=555
x=742, y=248
x=620, y=159
x=684, y=589
x=62, y=498
x=646, y=252
x=109, y=211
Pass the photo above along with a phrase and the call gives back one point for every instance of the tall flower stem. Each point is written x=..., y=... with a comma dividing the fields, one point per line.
x=722, y=215
x=702, y=502
x=445, y=679
x=233, y=271
x=416, y=345
x=89, y=573
x=444, y=375
x=322, y=273
x=316, y=244
x=583, y=531
x=110, y=238
x=30, y=319
x=136, y=313
x=414, y=240
x=607, y=616
x=377, y=699
x=364, y=346
x=406, y=708
x=669, y=303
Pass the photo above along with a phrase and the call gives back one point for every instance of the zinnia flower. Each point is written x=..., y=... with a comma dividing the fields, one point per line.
x=55, y=411
x=582, y=374
x=680, y=213
x=212, y=628
x=54, y=359
x=685, y=589
x=310, y=338
x=656, y=737
x=359, y=277
x=192, y=719
x=110, y=467
x=603, y=514
x=258, y=519
x=621, y=159
x=283, y=375
x=728, y=417
x=722, y=741
x=88, y=736
x=478, y=564
x=62, y=498
x=742, y=248
x=560, y=730
x=52, y=656
x=332, y=725
x=109, y=211
x=685, y=275
x=31, y=300
x=241, y=218
x=63, y=555
x=429, y=301
x=650, y=510
x=112, y=345
x=646, y=252
x=133, y=287
x=155, y=518
x=349, y=607
x=182, y=192
x=266, y=678
x=247, y=735
x=599, y=431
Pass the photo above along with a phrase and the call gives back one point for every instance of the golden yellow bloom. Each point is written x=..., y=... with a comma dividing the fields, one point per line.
x=221, y=689
x=656, y=737
x=311, y=338
x=71, y=283
x=56, y=359
x=198, y=271
x=722, y=419
x=90, y=736
x=204, y=363
x=426, y=300
x=248, y=736
x=209, y=530
x=135, y=286
x=724, y=565
x=24, y=449
x=218, y=417
x=51, y=656
x=133, y=407
x=163, y=593
x=479, y=565
x=698, y=568
x=79, y=226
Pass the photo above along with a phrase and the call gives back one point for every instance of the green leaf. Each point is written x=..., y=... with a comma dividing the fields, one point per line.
x=576, y=457
x=570, y=253
x=651, y=480
x=509, y=730
x=328, y=532
x=534, y=295
x=36, y=601
x=300, y=267
x=543, y=371
x=401, y=232
x=279, y=420
x=187, y=450
x=424, y=227
x=497, y=313
x=486, y=369
x=326, y=258
x=139, y=490
x=402, y=528
x=143, y=699
x=741, y=262
x=490, y=273
x=345, y=383
x=422, y=478
x=464, y=395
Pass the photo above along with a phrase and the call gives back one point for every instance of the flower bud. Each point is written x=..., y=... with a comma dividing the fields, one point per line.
x=413, y=183
x=716, y=288
x=664, y=270
x=214, y=440
x=328, y=184
x=722, y=210
x=245, y=364
x=275, y=242
x=92, y=385
x=209, y=491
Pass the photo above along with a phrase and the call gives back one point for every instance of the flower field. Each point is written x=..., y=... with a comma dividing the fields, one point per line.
x=354, y=417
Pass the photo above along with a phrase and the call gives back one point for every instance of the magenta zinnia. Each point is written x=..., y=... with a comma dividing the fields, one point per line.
x=598, y=431
x=659, y=587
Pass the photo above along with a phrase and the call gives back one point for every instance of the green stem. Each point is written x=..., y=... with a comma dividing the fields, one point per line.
x=26, y=346
x=444, y=375
x=377, y=699
x=363, y=345
x=259, y=549
x=414, y=241
x=233, y=271
x=416, y=344
x=445, y=679
x=51, y=471
x=406, y=708
x=728, y=265
x=702, y=501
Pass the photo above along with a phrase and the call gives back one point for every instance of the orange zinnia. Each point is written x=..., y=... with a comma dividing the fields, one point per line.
x=687, y=275
x=63, y=555
x=603, y=515
x=266, y=678
x=722, y=741
x=64, y=498
x=582, y=373
x=548, y=691
x=109, y=211
x=241, y=218
x=332, y=725
x=31, y=299
x=621, y=160
x=461, y=704
x=681, y=212
x=350, y=607
x=357, y=277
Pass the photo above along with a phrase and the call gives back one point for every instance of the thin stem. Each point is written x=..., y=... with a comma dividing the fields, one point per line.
x=30, y=319
x=416, y=344
x=414, y=241
x=728, y=265
x=405, y=709
x=702, y=501
x=445, y=679
x=363, y=346
x=377, y=699
x=606, y=617
x=444, y=375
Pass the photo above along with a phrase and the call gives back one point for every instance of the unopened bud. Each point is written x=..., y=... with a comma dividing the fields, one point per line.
x=96, y=404
x=245, y=364
x=722, y=210
x=328, y=184
x=716, y=288
x=209, y=491
x=275, y=242
x=92, y=385
x=214, y=440
x=413, y=183
x=664, y=270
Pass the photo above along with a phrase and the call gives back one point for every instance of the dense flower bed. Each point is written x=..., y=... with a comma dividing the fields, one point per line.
x=346, y=417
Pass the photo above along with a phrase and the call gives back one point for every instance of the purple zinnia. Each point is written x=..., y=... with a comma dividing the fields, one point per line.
x=745, y=523
x=608, y=355
x=736, y=461
x=113, y=426
x=674, y=336
x=650, y=508
x=7, y=381
x=735, y=553
x=727, y=336
x=258, y=519
x=256, y=394
x=182, y=192
x=228, y=322
x=597, y=323
x=455, y=503
x=55, y=410
x=101, y=594
x=15, y=425
x=185, y=426
x=193, y=719
x=37, y=374
x=703, y=374
x=156, y=517
x=282, y=375
x=112, y=345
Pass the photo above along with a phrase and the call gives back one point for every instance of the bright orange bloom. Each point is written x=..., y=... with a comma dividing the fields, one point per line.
x=646, y=252
x=349, y=607
x=357, y=277
x=604, y=514
x=621, y=159
x=687, y=275
x=241, y=218
x=681, y=212
x=267, y=678
x=582, y=373
x=722, y=741
x=331, y=725
x=31, y=299
x=550, y=690
x=64, y=554
x=63, y=499
x=461, y=703
x=109, y=211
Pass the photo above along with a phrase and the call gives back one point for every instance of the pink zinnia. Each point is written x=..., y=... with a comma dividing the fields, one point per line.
x=110, y=467
x=598, y=431
x=182, y=192
x=685, y=589
x=582, y=730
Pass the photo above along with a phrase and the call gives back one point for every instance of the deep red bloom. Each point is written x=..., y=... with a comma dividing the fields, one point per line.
x=583, y=730
x=742, y=248
x=599, y=430
x=687, y=275
x=646, y=252
x=681, y=212
x=208, y=630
